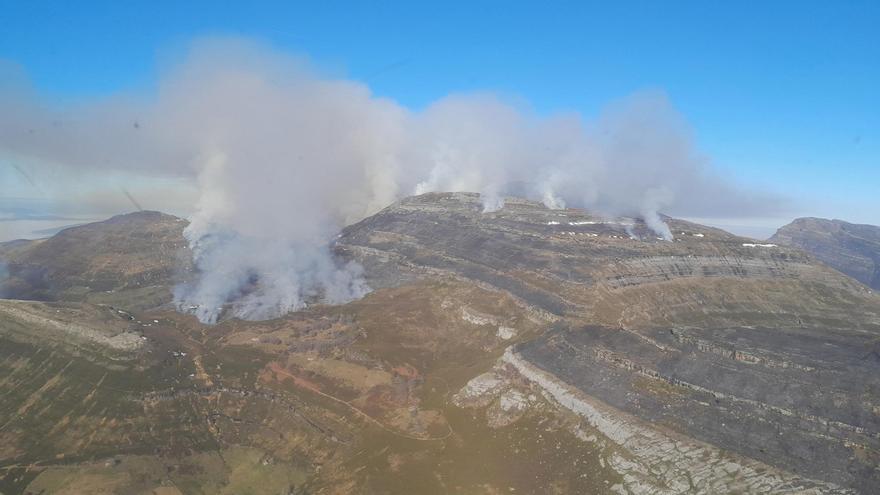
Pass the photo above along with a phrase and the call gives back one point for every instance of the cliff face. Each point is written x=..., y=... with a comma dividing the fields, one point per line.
x=850, y=248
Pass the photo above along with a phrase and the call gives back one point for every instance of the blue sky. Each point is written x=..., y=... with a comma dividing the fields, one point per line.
x=783, y=96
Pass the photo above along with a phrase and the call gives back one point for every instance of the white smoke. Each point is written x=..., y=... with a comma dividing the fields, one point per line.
x=284, y=157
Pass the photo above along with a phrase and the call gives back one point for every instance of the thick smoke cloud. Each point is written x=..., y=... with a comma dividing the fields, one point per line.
x=283, y=158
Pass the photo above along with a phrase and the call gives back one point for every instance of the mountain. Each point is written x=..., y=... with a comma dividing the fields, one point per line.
x=525, y=350
x=850, y=248
x=129, y=259
x=740, y=347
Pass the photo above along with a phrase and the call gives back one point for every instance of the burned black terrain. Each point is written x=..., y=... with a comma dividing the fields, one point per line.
x=802, y=399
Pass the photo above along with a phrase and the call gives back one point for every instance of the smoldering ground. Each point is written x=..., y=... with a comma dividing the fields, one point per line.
x=283, y=157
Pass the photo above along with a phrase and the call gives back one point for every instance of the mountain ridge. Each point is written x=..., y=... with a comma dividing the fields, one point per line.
x=853, y=249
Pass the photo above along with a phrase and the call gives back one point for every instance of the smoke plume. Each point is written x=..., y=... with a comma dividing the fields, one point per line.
x=284, y=157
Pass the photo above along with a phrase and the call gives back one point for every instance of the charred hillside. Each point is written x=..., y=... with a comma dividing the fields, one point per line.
x=614, y=271
x=750, y=348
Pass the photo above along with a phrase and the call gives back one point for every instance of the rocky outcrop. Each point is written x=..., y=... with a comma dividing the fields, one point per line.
x=659, y=462
x=802, y=400
x=71, y=325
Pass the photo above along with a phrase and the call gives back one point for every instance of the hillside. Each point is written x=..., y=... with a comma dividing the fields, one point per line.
x=568, y=263
x=850, y=248
x=526, y=350
x=767, y=344
x=130, y=259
